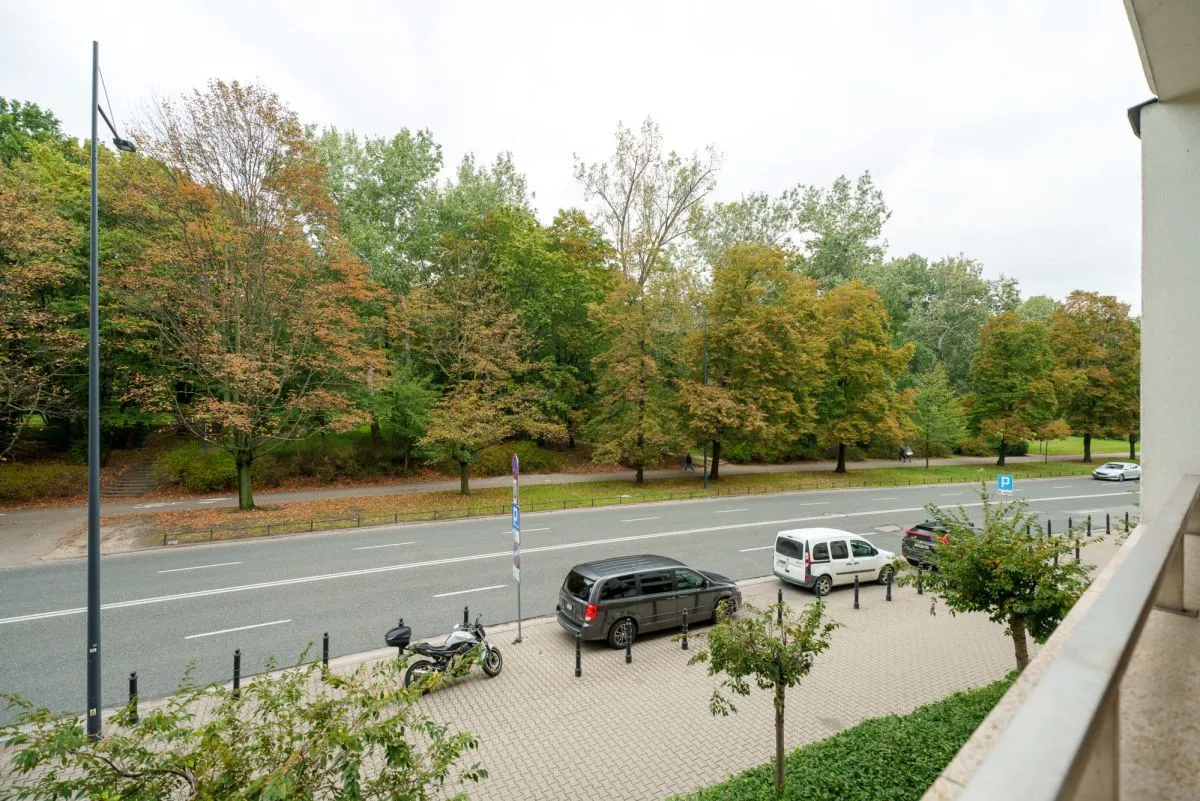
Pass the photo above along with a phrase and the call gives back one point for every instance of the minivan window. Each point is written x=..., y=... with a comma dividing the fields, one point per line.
x=579, y=585
x=786, y=547
x=860, y=548
x=820, y=552
x=688, y=580
x=658, y=581
x=838, y=550
x=619, y=587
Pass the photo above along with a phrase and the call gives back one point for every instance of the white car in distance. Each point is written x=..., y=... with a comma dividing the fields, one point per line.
x=1117, y=471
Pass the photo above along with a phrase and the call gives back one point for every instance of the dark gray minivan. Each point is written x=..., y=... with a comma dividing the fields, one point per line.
x=614, y=599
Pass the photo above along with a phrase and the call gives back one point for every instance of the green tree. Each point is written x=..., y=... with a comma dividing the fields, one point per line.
x=754, y=219
x=859, y=398
x=1007, y=569
x=765, y=342
x=774, y=648
x=843, y=228
x=1048, y=432
x=937, y=415
x=401, y=406
x=1013, y=374
x=21, y=125
x=1039, y=307
x=1096, y=349
x=299, y=733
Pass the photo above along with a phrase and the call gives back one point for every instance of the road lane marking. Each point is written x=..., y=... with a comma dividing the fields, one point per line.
x=886, y=498
x=760, y=548
x=477, y=589
x=639, y=519
x=1062, y=486
x=214, y=500
x=812, y=503
x=525, y=530
x=952, y=494
x=386, y=545
x=729, y=511
x=199, y=567
x=239, y=628
x=506, y=554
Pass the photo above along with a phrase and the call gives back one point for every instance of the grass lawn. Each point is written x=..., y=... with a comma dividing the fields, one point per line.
x=1072, y=446
x=224, y=523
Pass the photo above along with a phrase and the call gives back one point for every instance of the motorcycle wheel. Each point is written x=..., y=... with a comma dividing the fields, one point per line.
x=417, y=672
x=493, y=663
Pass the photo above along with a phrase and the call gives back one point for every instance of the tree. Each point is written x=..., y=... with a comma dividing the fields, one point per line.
x=1014, y=380
x=765, y=340
x=650, y=203
x=300, y=733
x=1039, y=307
x=250, y=291
x=1096, y=349
x=937, y=415
x=1048, y=432
x=843, y=229
x=1008, y=569
x=754, y=219
x=859, y=398
x=21, y=125
x=946, y=318
x=401, y=407
x=775, y=648
x=37, y=347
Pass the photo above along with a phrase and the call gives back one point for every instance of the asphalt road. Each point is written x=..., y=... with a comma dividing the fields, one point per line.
x=164, y=608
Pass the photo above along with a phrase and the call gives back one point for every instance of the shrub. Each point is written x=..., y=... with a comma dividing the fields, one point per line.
x=195, y=468
x=496, y=460
x=984, y=446
x=21, y=483
x=893, y=757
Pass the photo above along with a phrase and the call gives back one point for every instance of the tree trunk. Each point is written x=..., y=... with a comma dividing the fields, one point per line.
x=1003, y=446
x=464, y=478
x=716, y=460
x=841, y=465
x=1132, y=447
x=243, y=459
x=639, y=476
x=376, y=433
x=1016, y=630
x=779, y=693
x=570, y=439
x=1087, y=448
x=927, y=452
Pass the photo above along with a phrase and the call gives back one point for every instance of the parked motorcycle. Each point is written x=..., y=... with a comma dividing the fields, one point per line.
x=462, y=642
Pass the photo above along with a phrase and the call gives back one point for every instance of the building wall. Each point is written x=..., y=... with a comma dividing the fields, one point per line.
x=1170, y=297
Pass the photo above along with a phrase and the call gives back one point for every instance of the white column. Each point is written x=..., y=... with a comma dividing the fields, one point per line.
x=1170, y=297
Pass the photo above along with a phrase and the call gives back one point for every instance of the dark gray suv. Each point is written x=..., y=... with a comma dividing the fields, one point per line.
x=614, y=599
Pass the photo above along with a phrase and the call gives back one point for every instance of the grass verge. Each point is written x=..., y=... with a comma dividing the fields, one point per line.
x=894, y=757
x=223, y=523
x=1073, y=446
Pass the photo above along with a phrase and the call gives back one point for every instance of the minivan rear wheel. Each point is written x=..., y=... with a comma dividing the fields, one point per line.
x=622, y=633
x=823, y=586
x=885, y=573
x=724, y=608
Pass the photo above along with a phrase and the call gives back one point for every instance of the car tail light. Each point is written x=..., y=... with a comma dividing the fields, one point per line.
x=589, y=612
x=807, y=562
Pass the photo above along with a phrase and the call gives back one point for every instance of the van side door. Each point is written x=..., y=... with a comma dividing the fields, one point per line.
x=867, y=561
x=657, y=603
x=693, y=595
x=840, y=562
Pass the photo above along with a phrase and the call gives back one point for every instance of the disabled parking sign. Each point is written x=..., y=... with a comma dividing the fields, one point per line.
x=1004, y=483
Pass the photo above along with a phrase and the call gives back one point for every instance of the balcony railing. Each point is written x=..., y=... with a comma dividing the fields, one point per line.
x=1062, y=743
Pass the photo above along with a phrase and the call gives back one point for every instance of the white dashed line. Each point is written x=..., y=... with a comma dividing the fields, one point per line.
x=386, y=545
x=760, y=548
x=477, y=589
x=638, y=519
x=239, y=628
x=199, y=567
x=729, y=511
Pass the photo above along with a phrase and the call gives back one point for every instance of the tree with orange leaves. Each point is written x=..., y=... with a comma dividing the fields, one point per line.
x=250, y=290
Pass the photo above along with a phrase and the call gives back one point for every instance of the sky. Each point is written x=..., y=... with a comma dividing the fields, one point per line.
x=994, y=129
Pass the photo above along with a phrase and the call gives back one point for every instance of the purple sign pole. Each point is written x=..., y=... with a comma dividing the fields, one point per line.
x=516, y=528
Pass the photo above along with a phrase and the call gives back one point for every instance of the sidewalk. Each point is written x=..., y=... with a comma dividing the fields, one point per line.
x=27, y=535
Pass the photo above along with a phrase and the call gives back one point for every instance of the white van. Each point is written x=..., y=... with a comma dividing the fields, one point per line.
x=820, y=558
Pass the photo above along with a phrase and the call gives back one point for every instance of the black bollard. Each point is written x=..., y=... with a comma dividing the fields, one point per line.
x=237, y=672
x=629, y=652
x=1077, y=550
x=325, y=650
x=1107, y=523
x=578, y=663
x=856, y=592
x=685, y=630
x=1127, y=522
x=466, y=616
x=779, y=611
x=1089, y=528
x=133, y=697
x=1070, y=524
x=920, y=581
x=888, y=597
x=1028, y=529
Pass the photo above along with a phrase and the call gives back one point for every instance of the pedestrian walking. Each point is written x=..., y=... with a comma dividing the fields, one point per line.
x=688, y=464
x=908, y=454
x=902, y=453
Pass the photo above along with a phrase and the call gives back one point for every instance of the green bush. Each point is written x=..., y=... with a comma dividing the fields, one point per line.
x=195, y=468
x=497, y=459
x=21, y=483
x=985, y=446
x=894, y=757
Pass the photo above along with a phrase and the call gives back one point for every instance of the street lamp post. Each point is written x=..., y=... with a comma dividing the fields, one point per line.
x=704, y=324
x=93, y=528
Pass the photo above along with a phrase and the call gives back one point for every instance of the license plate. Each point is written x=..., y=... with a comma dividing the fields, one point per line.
x=569, y=607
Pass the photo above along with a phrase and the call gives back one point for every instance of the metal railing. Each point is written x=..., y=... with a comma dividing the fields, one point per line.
x=1062, y=743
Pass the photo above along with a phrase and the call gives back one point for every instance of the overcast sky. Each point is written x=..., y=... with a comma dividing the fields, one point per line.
x=994, y=129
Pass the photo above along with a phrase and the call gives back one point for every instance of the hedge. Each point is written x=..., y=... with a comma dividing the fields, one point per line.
x=894, y=757
x=21, y=483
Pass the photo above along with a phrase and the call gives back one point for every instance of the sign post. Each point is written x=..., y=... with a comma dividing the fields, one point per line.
x=1004, y=484
x=516, y=529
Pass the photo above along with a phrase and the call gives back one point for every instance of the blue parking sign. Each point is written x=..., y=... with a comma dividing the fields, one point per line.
x=516, y=518
x=1004, y=482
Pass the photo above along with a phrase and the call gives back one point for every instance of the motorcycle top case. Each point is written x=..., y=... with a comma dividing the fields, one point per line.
x=398, y=637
